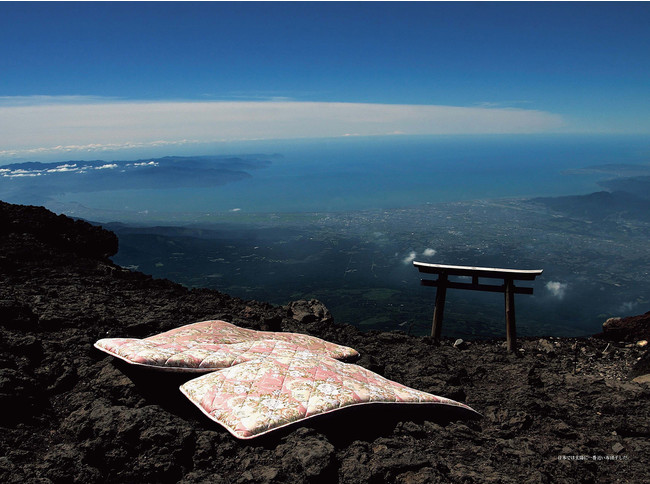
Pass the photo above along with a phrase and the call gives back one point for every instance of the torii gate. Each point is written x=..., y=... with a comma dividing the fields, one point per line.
x=508, y=287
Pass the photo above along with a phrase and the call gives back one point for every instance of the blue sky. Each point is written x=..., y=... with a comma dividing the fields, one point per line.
x=193, y=72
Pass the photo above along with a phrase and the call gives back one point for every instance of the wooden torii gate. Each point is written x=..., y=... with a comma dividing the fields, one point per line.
x=508, y=288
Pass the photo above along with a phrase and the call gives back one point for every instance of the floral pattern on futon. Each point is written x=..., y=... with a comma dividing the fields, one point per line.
x=210, y=345
x=289, y=385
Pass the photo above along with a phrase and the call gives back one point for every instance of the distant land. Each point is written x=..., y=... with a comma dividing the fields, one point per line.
x=31, y=182
x=593, y=250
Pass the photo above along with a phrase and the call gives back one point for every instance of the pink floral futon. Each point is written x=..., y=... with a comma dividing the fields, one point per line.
x=260, y=381
x=209, y=346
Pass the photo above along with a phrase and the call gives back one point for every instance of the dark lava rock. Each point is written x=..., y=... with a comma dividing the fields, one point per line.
x=56, y=231
x=642, y=367
x=631, y=328
x=306, y=312
x=72, y=414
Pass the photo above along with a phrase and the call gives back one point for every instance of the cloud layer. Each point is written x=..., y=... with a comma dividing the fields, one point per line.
x=70, y=124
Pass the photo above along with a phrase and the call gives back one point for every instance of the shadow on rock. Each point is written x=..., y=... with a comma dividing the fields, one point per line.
x=160, y=388
x=341, y=427
x=367, y=422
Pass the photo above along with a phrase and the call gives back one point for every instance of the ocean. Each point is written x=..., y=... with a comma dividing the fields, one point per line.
x=352, y=174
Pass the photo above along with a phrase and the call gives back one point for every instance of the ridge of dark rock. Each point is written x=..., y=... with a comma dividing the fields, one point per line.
x=562, y=410
x=59, y=232
x=630, y=328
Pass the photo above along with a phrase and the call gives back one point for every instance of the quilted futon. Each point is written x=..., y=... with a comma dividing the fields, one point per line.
x=259, y=381
x=208, y=346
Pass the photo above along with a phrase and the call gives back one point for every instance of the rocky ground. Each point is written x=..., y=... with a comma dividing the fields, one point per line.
x=559, y=410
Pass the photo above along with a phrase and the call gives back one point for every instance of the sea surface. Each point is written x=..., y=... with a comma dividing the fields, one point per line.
x=387, y=172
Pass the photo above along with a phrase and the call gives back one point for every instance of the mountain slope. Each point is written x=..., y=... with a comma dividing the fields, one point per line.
x=71, y=414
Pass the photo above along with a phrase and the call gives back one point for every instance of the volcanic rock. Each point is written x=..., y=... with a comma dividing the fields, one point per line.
x=631, y=328
x=642, y=366
x=73, y=414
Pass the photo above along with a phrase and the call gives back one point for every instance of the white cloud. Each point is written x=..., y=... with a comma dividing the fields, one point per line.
x=409, y=258
x=24, y=172
x=557, y=289
x=41, y=124
x=108, y=166
x=628, y=307
x=17, y=175
x=429, y=252
x=63, y=169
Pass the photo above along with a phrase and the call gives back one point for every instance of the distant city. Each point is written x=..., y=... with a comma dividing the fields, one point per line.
x=359, y=263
